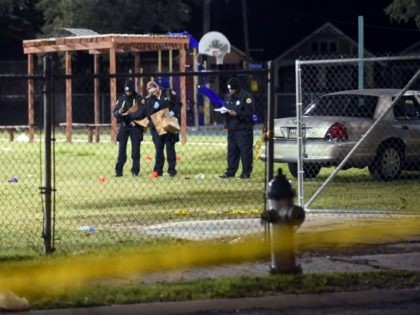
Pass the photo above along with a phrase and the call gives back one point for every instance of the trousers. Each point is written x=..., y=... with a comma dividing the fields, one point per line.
x=240, y=148
x=136, y=136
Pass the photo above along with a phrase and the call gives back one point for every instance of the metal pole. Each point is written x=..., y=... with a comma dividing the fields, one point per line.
x=206, y=16
x=299, y=133
x=361, y=48
x=269, y=144
x=245, y=30
x=171, y=65
x=195, y=80
x=377, y=121
x=47, y=188
x=353, y=60
x=269, y=164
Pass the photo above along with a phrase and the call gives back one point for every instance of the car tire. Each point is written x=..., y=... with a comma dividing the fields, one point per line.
x=310, y=170
x=387, y=164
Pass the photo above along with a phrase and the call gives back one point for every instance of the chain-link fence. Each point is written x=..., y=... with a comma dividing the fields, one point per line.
x=20, y=166
x=355, y=140
x=92, y=208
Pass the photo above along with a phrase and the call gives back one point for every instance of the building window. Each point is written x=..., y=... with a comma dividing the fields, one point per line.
x=333, y=47
x=323, y=47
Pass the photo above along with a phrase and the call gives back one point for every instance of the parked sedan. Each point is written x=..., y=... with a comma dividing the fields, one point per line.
x=334, y=123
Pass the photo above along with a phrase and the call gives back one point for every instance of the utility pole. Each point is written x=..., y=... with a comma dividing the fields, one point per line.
x=206, y=16
x=245, y=29
x=361, y=49
x=203, y=104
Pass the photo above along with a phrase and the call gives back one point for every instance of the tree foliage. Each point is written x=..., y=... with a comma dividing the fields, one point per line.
x=19, y=19
x=8, y=6
x=115, y=16
x=404, y=11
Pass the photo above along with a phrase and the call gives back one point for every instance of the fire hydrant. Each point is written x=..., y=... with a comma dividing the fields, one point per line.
x=283, y=217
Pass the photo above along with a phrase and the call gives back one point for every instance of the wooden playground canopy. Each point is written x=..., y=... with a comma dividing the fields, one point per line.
x=111, y=44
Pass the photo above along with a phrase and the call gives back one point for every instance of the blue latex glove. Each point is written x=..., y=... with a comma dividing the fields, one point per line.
x=156, y=105
x=171, y=114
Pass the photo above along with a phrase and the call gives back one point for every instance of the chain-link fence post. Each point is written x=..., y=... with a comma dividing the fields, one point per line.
x=269, y=143
x=270, y=122
x=299, y=131
x=46, y=189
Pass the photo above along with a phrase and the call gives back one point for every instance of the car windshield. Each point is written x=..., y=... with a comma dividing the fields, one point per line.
x=346, y=105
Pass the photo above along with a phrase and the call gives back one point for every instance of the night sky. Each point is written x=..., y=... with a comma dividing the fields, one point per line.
x=275, y=26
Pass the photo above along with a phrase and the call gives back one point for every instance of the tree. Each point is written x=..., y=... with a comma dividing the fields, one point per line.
x=19, y=19
x=115, y=16
x=404, y=11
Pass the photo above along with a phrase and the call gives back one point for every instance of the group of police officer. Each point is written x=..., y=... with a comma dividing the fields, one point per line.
x=131, y=109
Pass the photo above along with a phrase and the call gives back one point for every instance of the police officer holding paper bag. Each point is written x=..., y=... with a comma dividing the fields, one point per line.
x=161, y=103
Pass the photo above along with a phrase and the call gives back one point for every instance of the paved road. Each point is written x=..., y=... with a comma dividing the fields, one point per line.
x=372, y=302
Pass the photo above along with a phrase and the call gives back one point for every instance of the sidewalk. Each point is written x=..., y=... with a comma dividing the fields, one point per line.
x=308, y=303
x=405, y=261
x=402, y=254
x=304, y=303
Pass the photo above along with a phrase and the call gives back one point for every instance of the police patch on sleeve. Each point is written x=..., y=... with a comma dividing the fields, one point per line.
x=248, y=100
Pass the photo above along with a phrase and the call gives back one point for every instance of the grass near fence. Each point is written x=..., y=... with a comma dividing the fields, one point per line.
x=88, y=194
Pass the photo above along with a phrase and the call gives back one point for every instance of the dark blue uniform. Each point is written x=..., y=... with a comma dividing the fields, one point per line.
x=128, y=109
x=168, y=100
x=240, y=133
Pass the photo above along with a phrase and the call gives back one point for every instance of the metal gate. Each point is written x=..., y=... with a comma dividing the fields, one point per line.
x=357, y=141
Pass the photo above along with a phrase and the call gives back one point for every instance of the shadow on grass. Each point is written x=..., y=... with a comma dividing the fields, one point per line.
x=217, y=198
x=362, y=176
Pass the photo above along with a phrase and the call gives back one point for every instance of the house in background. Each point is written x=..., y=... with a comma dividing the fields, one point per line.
x=411, y=50
x=404, y=70
x=327, y=42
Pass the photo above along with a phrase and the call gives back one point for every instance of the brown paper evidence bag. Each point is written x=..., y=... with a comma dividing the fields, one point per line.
x=162, y=122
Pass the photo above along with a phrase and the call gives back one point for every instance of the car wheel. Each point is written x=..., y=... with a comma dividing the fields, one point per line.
x=309, y=170
x=387, y=164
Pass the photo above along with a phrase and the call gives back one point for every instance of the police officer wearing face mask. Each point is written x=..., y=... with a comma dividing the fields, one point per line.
x=239, y=125
x=174, y=105
x=156, y=100
x=128, y=108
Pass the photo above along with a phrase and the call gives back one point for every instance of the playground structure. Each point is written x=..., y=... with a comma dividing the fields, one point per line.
x=76, y=40
x=110, y=44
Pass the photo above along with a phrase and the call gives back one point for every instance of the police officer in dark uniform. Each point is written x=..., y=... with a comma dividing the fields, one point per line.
x=128, y=108
x=174, y=105
x=239, y=125
x=155, y=101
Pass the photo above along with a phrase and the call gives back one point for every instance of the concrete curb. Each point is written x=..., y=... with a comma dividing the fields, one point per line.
x=278, y=302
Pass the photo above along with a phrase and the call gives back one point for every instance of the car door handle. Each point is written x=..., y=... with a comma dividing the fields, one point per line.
x=405, y=127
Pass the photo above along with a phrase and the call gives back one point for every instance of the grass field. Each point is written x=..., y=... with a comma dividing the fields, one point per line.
x=119, y=207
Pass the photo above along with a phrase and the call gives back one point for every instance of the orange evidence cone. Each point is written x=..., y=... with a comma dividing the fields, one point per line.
x=148, y=157
x=154, y=175
x=178, y=157
x=102, y=179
